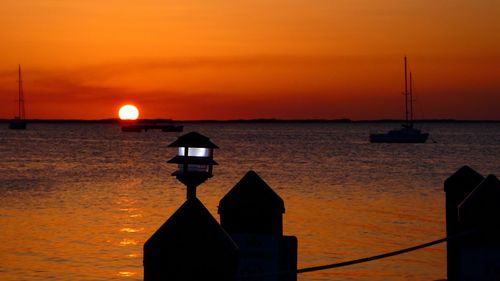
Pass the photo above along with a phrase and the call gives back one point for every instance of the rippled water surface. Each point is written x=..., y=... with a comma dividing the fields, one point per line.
x=77, y=201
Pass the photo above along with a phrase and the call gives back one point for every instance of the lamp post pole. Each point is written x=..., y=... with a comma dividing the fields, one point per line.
x=191, y=244
x=191, y=184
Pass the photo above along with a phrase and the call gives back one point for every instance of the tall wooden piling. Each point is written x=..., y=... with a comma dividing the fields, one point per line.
x=252, y=206
x=252, y=213
x=479, y=214
x=457, y=187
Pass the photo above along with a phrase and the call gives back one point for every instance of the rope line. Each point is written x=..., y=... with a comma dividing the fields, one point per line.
x=367, y=259
x=372, y=258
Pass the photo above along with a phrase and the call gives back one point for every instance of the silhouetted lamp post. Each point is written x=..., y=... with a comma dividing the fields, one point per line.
x=194, y=159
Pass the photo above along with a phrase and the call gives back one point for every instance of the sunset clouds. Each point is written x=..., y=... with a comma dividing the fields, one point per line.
x=250, y=59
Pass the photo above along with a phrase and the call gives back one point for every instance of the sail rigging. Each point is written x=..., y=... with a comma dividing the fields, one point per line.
x=21, y=110
x=19, y=123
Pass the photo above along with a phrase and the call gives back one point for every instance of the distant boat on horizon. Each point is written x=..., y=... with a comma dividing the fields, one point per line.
x=406, y=134
x=145, y=127
x=19, y=122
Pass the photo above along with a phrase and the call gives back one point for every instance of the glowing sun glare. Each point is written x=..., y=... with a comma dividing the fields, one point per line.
x=128, y=112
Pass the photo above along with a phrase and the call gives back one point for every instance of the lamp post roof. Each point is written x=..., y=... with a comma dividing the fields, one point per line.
x=193, y=139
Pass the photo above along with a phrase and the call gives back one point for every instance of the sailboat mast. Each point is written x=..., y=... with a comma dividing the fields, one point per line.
x=406, y=95
x=21, y=97
x=411, y=101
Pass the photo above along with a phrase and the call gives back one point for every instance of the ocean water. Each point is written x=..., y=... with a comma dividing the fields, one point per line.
x=77, y=201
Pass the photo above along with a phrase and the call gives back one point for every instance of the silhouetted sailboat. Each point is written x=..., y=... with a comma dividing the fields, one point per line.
x=407, y=134
x=19, y=122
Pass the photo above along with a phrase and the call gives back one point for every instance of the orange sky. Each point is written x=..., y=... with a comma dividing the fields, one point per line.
x=226, y=59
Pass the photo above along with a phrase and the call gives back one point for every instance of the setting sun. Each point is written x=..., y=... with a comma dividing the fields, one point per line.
x=128, y=112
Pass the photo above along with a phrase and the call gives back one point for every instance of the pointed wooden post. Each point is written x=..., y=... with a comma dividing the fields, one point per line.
x=457, y=187
x=252, y=213
x=190, y=246
x=479, y=213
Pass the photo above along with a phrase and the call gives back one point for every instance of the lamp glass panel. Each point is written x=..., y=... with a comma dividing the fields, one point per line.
x=195, y=151
x=193, y=168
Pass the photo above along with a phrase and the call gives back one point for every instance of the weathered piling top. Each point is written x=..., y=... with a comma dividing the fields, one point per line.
x=483, y=203
x=464, y=180
x=252, y=207
x=252, y=194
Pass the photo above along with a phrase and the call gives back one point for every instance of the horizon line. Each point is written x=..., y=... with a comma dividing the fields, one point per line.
x=258, y=120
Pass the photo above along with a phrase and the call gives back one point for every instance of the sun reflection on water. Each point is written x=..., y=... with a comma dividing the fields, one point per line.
x=126, y=274
x=132, y=230
x=126, y=242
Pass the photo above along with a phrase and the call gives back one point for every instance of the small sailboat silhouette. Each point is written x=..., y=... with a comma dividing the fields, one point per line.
x=408, y=133
x=19, y=122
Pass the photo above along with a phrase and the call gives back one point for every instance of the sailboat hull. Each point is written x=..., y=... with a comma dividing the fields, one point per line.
x=17, y=125
x=383, y=138
x=404, y=135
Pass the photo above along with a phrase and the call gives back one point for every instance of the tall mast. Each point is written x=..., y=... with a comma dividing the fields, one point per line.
x=406, y=95
x=21, y=97
x=411, y=101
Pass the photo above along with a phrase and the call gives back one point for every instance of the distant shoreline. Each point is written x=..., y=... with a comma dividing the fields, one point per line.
x=259, y=120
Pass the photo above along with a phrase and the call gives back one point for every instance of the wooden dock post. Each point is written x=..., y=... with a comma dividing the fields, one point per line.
x=479, y=252
x=190, y=246
x=252, y=213
x=457, y=187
